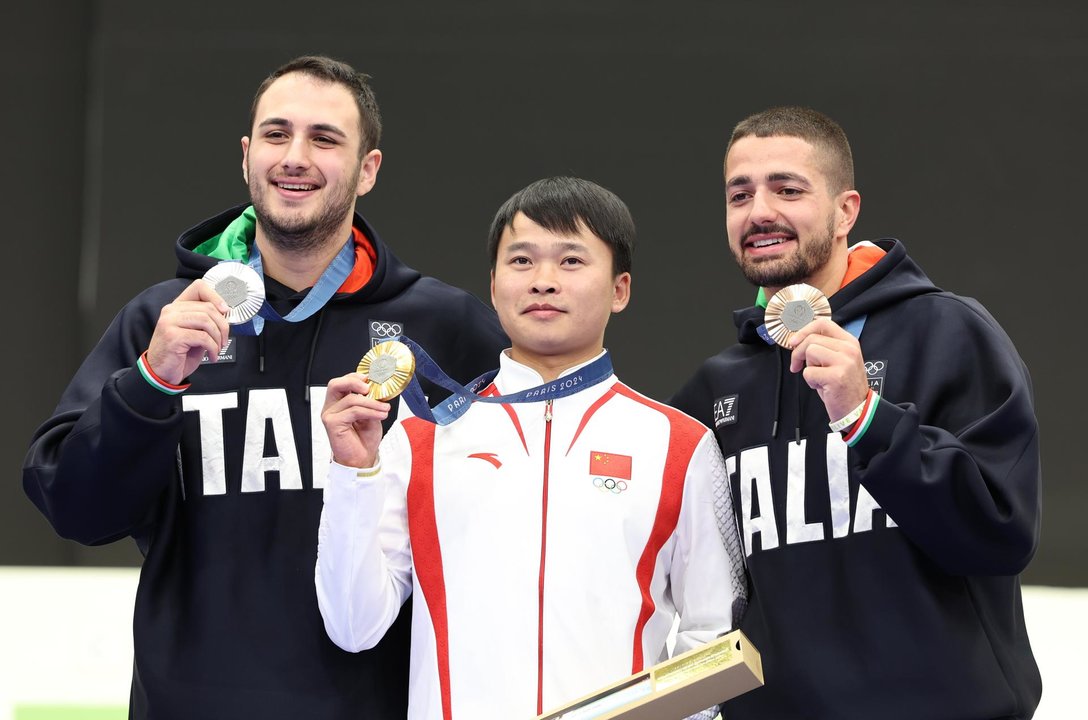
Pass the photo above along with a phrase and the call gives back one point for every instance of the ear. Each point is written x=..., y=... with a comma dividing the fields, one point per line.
x=245, y=159
x=621, y=291
x=493, y=289
x=368, y=172
x=847, y=208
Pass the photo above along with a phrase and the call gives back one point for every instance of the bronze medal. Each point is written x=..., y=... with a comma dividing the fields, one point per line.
x=792, y=308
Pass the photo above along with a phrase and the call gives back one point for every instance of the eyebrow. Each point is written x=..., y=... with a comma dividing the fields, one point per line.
x=316, y=127
x=523, y=245
x=742, y=180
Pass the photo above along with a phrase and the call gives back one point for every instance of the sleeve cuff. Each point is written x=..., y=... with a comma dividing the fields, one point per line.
x=876, y=435
x=143, y=399
x=157, y=382
x=347, y=474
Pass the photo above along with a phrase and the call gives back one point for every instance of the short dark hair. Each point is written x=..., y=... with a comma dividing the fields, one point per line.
x=813, y=127
x=560, y=205
x=340, y=73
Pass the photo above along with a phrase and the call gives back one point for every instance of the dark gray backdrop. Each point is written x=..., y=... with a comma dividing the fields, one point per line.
x=121, y=122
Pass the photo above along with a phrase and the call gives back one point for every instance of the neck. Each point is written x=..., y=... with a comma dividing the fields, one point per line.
x=550, y=367
x=828, y=279
x=299, y=268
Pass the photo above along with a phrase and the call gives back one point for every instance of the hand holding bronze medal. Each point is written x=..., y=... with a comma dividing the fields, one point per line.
x=792, y=308
x=241, y=288
x=389, y=367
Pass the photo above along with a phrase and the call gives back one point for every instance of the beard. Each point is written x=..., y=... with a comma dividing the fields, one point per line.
x=803, y=263
x=295, y=231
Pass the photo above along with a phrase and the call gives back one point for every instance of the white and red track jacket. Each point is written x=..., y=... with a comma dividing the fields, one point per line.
x=548, y=547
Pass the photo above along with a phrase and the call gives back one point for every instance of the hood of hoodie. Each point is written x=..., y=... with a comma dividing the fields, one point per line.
x=390, y=277
x=893, y=278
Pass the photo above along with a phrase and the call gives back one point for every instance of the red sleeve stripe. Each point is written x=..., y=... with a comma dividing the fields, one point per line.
x=426, y=548
x=684, y=435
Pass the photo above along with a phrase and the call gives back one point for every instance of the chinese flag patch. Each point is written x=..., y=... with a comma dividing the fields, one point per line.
x=610, y=465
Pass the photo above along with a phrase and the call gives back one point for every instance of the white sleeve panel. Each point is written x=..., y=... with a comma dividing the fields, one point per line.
x=364, y=559
x=708, y=581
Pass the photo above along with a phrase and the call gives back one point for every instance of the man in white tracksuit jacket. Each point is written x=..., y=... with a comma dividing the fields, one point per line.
x=548, y=543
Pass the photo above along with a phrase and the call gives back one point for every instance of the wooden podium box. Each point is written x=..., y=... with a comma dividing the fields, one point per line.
x=678, y=687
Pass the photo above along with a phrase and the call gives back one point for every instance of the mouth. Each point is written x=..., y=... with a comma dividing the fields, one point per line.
x=768, y=241
x=542, y=310
x=294, y=187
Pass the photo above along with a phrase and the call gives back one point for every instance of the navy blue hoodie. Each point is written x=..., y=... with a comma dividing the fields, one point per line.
x=221, y=489
x=884, y=577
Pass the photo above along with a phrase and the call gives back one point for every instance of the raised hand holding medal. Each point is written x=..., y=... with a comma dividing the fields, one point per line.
x=828, y=357
x=191, y=327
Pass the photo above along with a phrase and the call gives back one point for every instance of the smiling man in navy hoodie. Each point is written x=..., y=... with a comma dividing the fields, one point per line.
x=199, y=440
x=884, y=468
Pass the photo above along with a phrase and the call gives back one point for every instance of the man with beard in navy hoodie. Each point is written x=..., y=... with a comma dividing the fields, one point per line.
x=202, y=440
x=884, y=463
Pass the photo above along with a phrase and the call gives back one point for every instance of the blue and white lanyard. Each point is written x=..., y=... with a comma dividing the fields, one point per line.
x=322, y=291
x=854, y=327
x=462, y=398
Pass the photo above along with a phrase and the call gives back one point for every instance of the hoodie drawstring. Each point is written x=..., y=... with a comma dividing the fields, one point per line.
x=777, y=395
x=313, y=349
x=797, y=424
x=780, y=353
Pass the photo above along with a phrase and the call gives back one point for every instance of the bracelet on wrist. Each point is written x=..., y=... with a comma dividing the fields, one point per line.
x=851, y=417
x=155, y=381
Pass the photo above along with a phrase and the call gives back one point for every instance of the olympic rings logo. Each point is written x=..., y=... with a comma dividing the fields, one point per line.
x=874, y=368
x=610, y=485
x=386, y=329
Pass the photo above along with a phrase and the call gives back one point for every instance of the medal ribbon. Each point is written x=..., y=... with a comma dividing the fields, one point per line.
x=322, y=291
x=854, y=327
x=462, y=398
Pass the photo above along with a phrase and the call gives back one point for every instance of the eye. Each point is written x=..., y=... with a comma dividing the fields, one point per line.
x=275, y=135
x=519, y=260
x=738, y=197
x=325, y=141
x=572, y=261
x=791, y=191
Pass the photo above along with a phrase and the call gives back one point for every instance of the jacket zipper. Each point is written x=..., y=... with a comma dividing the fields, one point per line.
x=543, y=547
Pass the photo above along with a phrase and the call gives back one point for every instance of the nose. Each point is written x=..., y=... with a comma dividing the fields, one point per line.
x=762, y=208
x=545, y=280
x=296, y=154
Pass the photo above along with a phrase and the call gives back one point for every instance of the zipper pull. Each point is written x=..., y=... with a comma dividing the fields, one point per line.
x=547, y=411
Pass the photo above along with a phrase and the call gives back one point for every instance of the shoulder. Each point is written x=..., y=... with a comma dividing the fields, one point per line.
x=437, y=289
x=947, y=315
x=679, y=420
x=734, y=366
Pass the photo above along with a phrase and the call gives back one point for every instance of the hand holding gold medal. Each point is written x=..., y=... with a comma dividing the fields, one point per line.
x=389, y=367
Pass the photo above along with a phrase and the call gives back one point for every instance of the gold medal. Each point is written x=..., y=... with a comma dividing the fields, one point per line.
x=389, y=367
x=240, y=287
x=791, y=308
